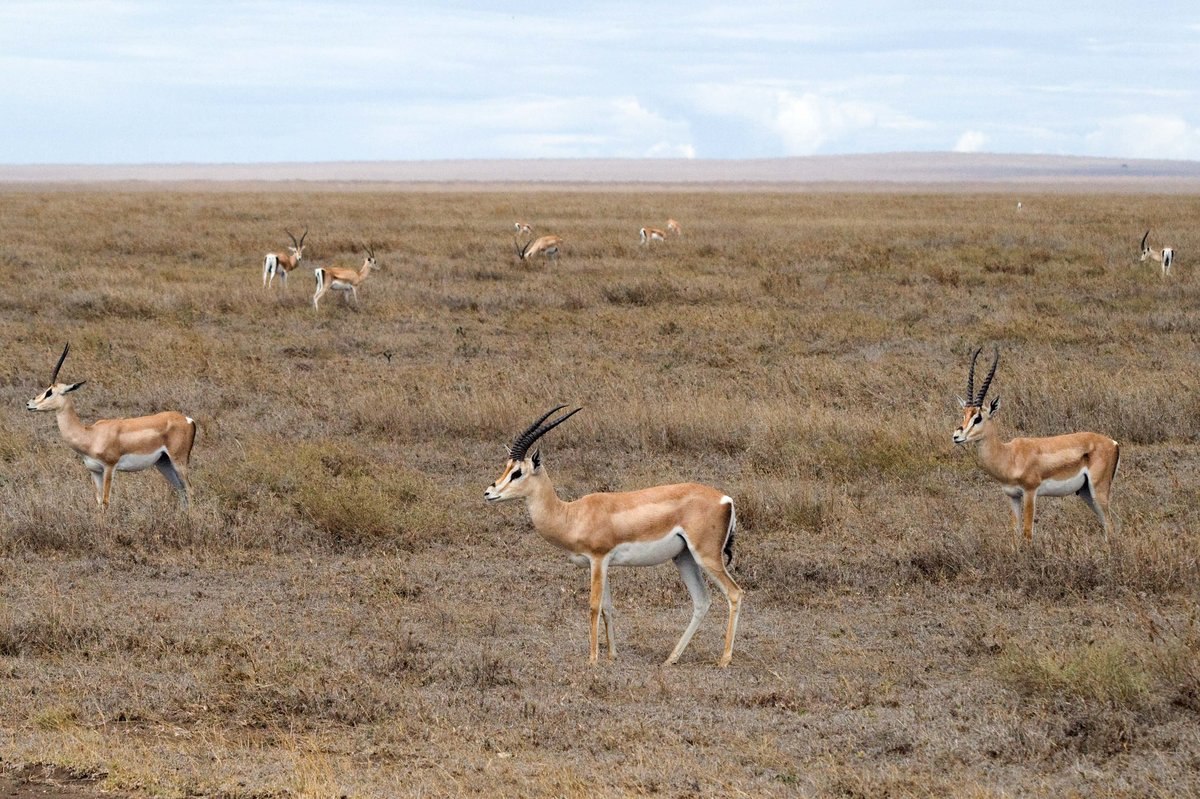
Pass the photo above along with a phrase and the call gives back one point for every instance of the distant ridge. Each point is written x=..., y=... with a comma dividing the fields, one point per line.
x=878, y=171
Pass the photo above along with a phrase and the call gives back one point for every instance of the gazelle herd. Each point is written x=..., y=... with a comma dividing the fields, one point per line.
x=690, y=524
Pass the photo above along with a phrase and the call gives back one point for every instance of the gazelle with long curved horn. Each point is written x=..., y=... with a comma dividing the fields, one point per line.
x=343, y=279
x=548, y=246
x=689, y=523
x=163, y=440
x=1165, y=256
x=1083, y=464
x=276, y=263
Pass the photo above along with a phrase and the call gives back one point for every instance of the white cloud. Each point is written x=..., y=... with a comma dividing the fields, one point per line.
x=804, y=123
x=971, y=141
x=1145, y=136
x=533, y=127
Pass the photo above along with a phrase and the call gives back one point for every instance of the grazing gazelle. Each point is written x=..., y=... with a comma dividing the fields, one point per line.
x=649, y=234
x=1056, y=466
x=1165, y=256
x=343, y=279
x=544, y=245
x=163, y=440
x=689, y=523
x=281, y=263
x=673, y=227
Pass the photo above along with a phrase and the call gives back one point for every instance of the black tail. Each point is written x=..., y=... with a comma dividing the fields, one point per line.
x=731, y=532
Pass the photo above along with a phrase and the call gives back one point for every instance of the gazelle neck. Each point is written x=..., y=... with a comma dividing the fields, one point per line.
x=547, y=512
x=993, y=453
x=69, y=425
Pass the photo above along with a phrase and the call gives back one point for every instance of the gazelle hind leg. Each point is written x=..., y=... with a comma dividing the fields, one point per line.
x=171, y=472
x=701, y=599
x=715, y=567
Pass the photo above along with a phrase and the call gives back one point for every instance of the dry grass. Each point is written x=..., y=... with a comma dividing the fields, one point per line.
x=339, y=614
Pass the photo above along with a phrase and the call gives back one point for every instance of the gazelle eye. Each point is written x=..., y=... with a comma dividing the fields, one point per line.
x=49, y=391
x=978, y=419
x=516, y=475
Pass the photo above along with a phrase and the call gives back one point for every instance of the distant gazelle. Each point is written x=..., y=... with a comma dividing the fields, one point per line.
x=282, y=263
x=548, y=246
x=163, y=440
x=650, y=234
x=689, y=523
x=343, y=279
x=673, y=227
x=1165, y=256
x=1056, y=466
x=523, y=228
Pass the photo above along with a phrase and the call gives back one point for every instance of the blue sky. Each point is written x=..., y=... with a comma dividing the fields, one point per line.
x=151, y=82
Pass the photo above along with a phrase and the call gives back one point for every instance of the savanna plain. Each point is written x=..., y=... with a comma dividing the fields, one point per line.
x=339, y=613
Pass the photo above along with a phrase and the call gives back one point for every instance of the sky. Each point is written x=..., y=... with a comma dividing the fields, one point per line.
x=112, y=82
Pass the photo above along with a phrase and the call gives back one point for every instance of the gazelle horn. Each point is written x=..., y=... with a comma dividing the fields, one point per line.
x=521, y=445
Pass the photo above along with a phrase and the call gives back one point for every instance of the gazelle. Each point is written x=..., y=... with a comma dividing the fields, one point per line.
x=343, y=279
x=689, y=523
x=163, y=440
x=1056, y=466
x=1165, y=256
x=523, y=228
x=649, y=234
x=545, y=245
x=673, y=227
x=281, y=263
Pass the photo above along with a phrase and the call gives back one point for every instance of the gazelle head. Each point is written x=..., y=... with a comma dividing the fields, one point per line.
x=975, y=414
x=369, y=261
x=54, y=397
x=297, y=248
x=1146, y=253
x=522, y=469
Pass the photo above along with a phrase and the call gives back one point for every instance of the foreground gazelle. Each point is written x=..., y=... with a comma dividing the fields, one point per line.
x=544, y=245
x=281, y=264
x=343, y=279
x=163, y=440
x=1056, y=466
x=689, y=523
x=1165, y=256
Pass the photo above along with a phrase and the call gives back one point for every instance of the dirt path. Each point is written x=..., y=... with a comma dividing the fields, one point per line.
x=47, y=782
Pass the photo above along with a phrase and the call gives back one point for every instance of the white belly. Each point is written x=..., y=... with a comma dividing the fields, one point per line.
x=128, y=463
x=339, y=285
x=648, y=553
x=1063, y=488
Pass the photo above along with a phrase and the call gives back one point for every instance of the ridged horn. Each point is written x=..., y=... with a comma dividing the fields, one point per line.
x=57, y=366
x=1144, y=240
x=987, y=382
x=971, y=376
x=522, y=443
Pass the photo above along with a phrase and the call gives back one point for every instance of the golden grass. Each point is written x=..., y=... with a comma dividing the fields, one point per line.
x=340, y=614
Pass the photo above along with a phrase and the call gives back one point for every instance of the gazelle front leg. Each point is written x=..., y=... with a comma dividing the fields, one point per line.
x=1015, y=501
x=1028, y=499
x=106, y=486
x=98, y=483
x=596, y=604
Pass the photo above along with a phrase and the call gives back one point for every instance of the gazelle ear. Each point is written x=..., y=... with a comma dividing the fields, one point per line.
x=537, y=459
x=73, y=387
x=962, y=403
x=994, y=406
